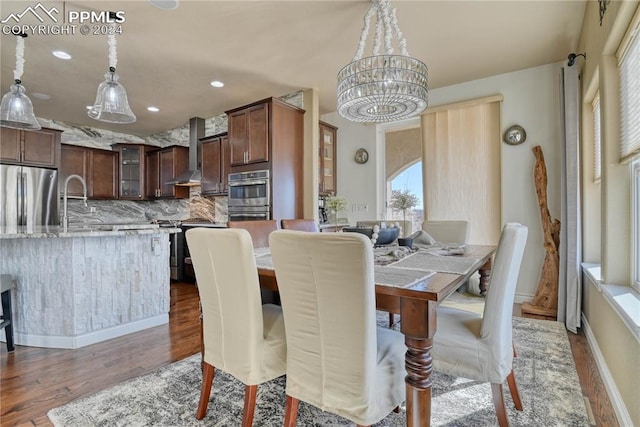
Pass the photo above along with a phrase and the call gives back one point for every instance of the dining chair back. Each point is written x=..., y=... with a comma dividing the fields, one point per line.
x=448, y=231
x=480, y=347
x=241, y=336
x=337, y=358
x=259, y=230
x=300, y=224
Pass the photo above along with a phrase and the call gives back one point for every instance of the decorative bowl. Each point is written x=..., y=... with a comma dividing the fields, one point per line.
x=385, y=235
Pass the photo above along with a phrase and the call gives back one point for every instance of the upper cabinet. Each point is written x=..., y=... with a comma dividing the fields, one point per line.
x=269, y=135
x=103, y=174
x=327, y=161
x=249, y=134
x=99, y=168
x=164, y=165
x=30, y=147
x=131, y=171
x=216, y=164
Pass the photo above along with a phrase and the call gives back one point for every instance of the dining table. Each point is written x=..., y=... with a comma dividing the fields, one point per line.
x=413, y=286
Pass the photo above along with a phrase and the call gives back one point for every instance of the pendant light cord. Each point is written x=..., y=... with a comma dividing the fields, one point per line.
x=17, y=73
x=387, y=22
x=113, y=45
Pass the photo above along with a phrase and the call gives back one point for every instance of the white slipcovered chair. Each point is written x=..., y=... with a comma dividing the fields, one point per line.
x=479, y=347
x=448, y=231
x=337, y=358
x=241, y=336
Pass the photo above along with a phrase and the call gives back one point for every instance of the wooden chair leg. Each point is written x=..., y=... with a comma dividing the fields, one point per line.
x=498, y=402
x=391, y=319
x=514, y=350
x=207, y=381
x=250, y=392
x=513, y=388
x=291, y=411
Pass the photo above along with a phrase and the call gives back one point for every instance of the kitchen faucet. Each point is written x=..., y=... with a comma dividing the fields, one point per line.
x=65, y=218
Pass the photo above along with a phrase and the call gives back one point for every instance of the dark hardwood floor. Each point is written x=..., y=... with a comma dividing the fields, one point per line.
x=34, y=380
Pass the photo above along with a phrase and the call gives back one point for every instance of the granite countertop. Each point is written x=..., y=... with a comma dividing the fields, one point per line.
x=83, y=230
x=205, y=224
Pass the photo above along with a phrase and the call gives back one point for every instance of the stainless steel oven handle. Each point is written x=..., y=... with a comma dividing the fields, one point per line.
x=252, y=215
x=255, y=182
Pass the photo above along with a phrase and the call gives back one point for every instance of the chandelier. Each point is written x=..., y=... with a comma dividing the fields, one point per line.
x=16, y=110
x=111, y=104
x=382, y=88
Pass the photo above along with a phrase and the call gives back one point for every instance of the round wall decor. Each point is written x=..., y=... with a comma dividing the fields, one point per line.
x=362, y=156
x=515, y=135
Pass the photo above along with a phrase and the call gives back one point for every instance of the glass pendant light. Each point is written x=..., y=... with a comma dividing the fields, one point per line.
x=111, y=104
x=16, y=110
x=382, y=88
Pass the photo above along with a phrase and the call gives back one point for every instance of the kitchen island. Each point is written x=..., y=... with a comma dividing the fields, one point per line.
x=91, y=283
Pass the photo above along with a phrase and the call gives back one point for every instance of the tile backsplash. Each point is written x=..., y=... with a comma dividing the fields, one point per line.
x=213, y=209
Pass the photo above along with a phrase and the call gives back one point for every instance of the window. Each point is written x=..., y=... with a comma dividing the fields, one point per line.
x=410, y=179
x=629, y=63
x=629, y=66
x=635, y=223
x=596, y=140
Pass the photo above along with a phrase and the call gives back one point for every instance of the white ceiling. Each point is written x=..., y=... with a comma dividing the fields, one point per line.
x=167, y=58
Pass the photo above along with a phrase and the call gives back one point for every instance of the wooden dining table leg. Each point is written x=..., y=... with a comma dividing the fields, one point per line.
x=485, y=273
x=418, y=326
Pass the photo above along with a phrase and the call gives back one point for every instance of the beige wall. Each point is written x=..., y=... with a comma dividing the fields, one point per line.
x=620, y=349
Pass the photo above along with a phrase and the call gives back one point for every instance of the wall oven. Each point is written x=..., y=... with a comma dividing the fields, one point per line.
x=249, y=196
x=248, y=213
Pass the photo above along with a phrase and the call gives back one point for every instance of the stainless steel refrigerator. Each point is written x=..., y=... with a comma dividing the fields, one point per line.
x=29, y=196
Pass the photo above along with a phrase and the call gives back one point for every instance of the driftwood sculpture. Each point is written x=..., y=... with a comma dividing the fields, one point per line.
x=545, y=301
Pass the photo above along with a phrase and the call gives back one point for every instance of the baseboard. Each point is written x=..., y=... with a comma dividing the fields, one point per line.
x=57, y=341
x=520, y=298
x=624, y=419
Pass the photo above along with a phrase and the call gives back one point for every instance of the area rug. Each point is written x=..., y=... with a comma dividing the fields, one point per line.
x=544, y=369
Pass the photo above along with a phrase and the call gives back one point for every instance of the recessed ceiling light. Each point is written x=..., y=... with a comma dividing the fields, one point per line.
x=61, y=54
x=153, y=109
x=39, y=95
x=217, y=83
x=165, y=4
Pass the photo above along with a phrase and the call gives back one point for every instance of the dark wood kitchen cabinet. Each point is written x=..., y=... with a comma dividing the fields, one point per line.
x=272, y=131
x=327, y=161
x=30, y=147
x=216, y=164
x=131, y=170
x=103, y=174
x=249, y=134
x=99, y=168
x=162, y=166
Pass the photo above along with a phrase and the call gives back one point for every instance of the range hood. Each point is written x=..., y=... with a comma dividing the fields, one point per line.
x=193, y=176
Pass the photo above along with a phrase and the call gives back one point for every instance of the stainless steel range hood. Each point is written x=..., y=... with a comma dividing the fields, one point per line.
x=193, y=176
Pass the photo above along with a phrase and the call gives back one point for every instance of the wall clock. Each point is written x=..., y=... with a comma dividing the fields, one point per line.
x=362, y=156
x=515, y=135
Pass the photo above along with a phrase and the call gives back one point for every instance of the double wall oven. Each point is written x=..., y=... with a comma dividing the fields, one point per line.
x=249, y=196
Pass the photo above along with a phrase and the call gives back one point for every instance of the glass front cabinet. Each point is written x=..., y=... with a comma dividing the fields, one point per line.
x=327, y=159
x=132, y=158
